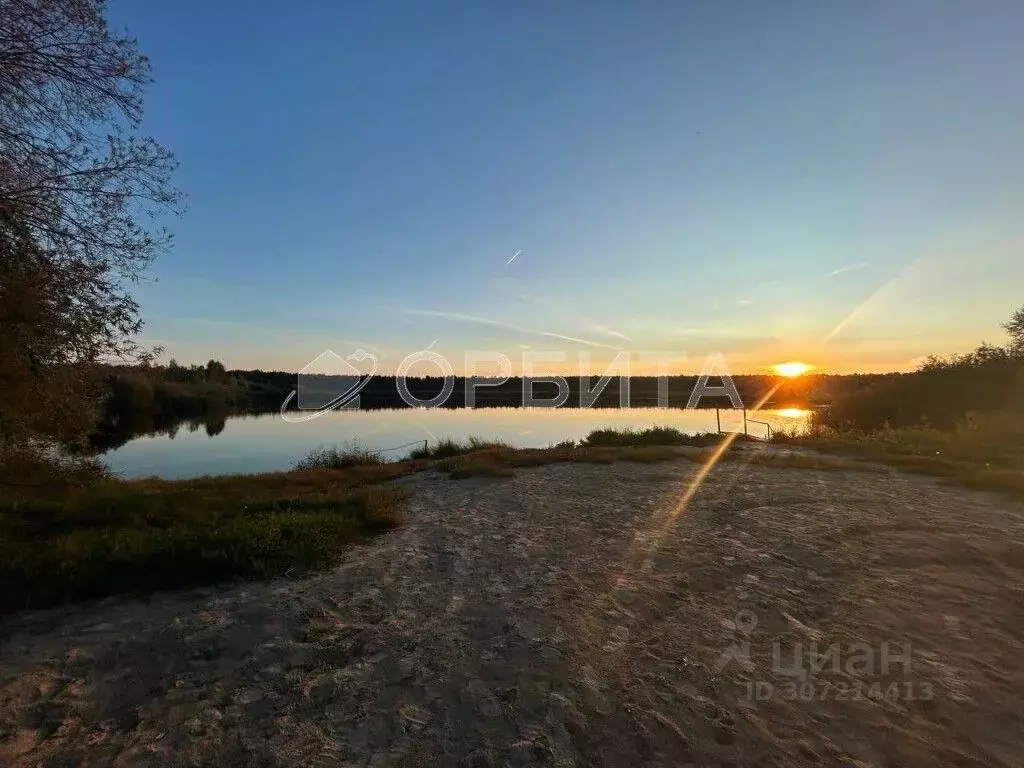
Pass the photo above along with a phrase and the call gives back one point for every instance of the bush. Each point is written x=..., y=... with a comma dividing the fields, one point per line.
x=939, y=395
x=339, y=458
x=447, y=447
x=30, y=467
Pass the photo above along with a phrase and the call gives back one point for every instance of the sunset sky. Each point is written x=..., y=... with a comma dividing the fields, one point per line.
x=836, y=182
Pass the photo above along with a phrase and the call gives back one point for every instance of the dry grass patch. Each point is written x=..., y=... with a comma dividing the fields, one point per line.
x=447, y=447
x=502, y=462
x=649, y=436
x=983, y=451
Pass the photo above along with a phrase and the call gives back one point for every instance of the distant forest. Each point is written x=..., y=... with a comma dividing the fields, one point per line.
x=151, y=399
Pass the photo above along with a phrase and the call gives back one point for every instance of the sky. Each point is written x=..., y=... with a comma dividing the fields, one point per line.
x=835, y=182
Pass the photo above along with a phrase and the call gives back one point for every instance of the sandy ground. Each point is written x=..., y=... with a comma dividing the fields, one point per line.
x=572, y=615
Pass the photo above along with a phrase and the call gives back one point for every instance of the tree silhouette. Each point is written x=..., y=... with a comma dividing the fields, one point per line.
x=215, y=370
x=79, y=193
x=1015, y=327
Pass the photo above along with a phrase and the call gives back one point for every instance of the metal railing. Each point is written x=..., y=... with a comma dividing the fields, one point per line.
x=397, y=447
x=746, y=422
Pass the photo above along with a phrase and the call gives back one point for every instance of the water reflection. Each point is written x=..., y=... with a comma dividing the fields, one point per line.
x=794, y=413
x=114, y=433
x=265, y=443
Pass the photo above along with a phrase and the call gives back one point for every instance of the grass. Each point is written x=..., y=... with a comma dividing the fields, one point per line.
x=502, y=462
x=652, y=436
x=447, y=447
x=982, y=451
x=479, y=458
x=105, y=536
x=99, y=536
x=335, y=457
x=139, y=536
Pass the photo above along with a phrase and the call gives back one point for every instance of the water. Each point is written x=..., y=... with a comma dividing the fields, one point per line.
x=266, y=443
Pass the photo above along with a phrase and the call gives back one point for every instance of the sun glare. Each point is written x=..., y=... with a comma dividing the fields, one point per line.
x=793, y=413
x=791, y=369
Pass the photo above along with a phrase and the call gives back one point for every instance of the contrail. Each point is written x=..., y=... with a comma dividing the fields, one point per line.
x=513, y=257
x=849, y=268
x=903, y=274
x=458, y=316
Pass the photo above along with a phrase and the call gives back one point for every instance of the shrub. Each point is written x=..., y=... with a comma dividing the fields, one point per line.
x=339, y=458
x=447, y=447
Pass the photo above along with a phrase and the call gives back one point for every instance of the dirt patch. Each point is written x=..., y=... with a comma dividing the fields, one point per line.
x=570, y=615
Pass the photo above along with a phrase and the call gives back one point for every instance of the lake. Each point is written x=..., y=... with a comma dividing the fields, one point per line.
x=266, y=443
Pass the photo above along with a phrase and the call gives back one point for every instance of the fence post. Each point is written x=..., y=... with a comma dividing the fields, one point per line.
x=718, y=419
x=745, y=422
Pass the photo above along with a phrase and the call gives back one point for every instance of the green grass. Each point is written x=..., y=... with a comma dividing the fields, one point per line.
x=139, y=536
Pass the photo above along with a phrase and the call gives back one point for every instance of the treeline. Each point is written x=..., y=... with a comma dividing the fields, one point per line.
x=271, y=388
x=942, y=392
x=151, y=399
x=160, y=399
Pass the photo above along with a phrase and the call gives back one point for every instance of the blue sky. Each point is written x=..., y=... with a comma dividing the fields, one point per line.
x=683, y=177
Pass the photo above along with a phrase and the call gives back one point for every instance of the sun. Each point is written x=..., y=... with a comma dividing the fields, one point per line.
x=791, y=369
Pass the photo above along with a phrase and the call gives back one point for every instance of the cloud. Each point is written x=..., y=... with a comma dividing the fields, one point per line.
x=698, y=331
x=510, y=286
x=796, y=283
x=186, y=326
x=463, y=318
x=609, y=332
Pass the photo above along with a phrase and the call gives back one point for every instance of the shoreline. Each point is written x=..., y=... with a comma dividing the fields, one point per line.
x=566, y=614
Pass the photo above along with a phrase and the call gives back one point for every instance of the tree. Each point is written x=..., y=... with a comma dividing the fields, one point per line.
x=44, y=328
x=215, y=371
x=72, y=166
x=1015, y=327
x=80, y=195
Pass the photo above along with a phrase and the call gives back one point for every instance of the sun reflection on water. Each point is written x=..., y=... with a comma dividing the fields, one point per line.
x=793, y=413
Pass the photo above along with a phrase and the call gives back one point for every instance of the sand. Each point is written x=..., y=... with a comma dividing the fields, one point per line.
x=571, y=615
